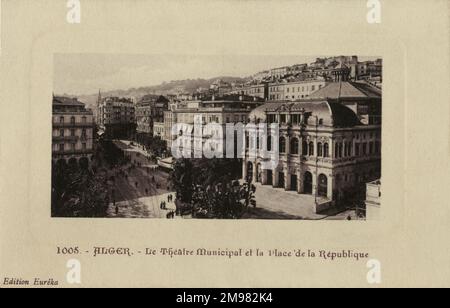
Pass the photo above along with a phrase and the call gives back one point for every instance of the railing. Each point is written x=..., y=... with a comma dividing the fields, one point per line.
x=66, y=138
x=69, y=124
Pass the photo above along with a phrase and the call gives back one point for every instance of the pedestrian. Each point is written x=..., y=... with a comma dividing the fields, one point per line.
x=117, y=210
x=146, y=191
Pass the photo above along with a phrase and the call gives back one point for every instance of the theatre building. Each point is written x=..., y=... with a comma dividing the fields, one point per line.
x=325, y=151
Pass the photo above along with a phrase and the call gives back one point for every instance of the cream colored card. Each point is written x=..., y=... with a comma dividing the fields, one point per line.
x=54, y=47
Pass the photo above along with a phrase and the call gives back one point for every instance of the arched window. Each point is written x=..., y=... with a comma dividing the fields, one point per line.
x=311, y=148
x=247, y=141
x=61, y=120
x=269, y=143
x=294, y=146
x=72, y=120
x=326, y=150
x=304, y=148
x=323, y=185
x=319, y=150
x=84, y=120
x=282, y=145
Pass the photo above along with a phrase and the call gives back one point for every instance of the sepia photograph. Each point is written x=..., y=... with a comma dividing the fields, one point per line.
x=217, y=137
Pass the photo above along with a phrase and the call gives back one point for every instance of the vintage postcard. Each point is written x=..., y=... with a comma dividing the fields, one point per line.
x=224, y=144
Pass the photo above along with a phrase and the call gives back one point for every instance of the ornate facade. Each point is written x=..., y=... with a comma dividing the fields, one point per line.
x=324, y=150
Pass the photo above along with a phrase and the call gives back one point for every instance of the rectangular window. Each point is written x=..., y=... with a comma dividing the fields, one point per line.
x=72, y=132
x=72, y=146
x=84, y=146
x=61, y=147
x=61, y=133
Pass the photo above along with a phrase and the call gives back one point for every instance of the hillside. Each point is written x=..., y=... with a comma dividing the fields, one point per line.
x=171, y=87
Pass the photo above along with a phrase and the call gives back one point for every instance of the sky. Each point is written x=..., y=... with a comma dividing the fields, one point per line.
x=82, y=74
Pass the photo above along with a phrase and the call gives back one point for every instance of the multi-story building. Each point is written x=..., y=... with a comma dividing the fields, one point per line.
x=279, y=72
x=297, y=69
x=324, y=150
x=295, y=90
x=149, y=110
x=276, y=90
x=170, y=118
x=220, y=87
x=259, y=89
x=218, y=110
x=116, y=117
x=158, y=129
x=72, y=131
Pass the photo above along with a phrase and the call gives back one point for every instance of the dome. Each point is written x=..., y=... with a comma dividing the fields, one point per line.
x=322, y=112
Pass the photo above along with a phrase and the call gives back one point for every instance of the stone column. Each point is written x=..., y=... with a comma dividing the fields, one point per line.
x=264, y=177
x=314, y=183
x=330, y=186
x=299, y=182
x=255, y=173
x=287, y=179
x=275, y=177
x=288, y=146
x=332, y=148
x=244, y=169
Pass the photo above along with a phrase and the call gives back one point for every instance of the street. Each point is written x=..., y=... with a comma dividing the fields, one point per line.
x=138, y=188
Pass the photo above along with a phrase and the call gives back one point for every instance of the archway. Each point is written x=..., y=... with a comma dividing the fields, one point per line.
x=269, y=177
x=307, y=183
x=84, y=163
x=323, y=185
x=73, y=163
x=294, y=186
x=259, y=173
x=281, y=179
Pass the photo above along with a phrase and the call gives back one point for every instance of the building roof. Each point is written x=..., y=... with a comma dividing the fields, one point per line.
x=67, y=101
x=233, y=98
x=347, y=89
x=328, y=113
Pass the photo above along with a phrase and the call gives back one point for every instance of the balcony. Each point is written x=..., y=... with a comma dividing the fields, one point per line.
x=65, y=138
x=75, y=124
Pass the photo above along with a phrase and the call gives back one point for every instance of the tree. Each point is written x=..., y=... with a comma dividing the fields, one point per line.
x=78, y=193
x=209, y=187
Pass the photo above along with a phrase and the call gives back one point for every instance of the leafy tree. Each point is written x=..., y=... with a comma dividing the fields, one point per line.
x=210, y=187
x=78, y=193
